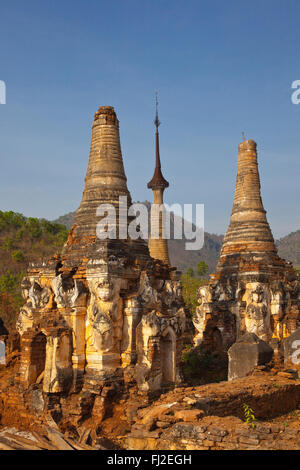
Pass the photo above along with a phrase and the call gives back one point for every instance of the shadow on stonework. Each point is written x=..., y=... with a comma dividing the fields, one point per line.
x=168, y=354
x=201, y=366
x=38, y=356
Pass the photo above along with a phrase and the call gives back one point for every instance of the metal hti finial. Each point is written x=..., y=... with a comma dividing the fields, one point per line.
x=156, y=120
x=243, y=134
x=158, y=181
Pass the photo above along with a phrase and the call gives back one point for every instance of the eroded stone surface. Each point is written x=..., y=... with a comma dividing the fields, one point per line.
x=245, y=354
x=291, y=347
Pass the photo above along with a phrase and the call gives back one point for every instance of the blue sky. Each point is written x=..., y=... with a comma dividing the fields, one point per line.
x=220, y=67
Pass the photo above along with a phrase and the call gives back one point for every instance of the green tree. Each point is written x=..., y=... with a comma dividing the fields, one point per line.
x=20, y=233
x=202, y=269
x=190, y=287
x=11, y=218
x=10, y=283
x=191, y=284
x=17, y=255
x=61, y=236
x=190, y=272
x=34, y=227
x=8, y=243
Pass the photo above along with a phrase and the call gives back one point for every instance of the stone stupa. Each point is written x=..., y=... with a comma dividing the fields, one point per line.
x=103, y=311
x=253, y=289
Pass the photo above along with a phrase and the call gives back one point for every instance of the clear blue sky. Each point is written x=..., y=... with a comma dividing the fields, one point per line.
x=221, y=67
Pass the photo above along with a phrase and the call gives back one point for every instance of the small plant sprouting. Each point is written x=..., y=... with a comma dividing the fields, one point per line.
x=11, y=381
x=249, y=415
x=275, y=385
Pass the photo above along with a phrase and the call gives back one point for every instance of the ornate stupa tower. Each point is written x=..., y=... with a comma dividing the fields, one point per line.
x=253, y=289
x=158, y=244
x=103, y=311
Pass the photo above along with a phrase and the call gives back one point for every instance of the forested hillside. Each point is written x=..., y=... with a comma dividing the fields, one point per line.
x=22, y=240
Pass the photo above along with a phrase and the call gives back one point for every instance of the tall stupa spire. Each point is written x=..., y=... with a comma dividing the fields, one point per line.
x=248, y=231
x=158, y=247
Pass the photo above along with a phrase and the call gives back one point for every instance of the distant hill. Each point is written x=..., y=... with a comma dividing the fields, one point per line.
x=288, y=247
x=67, y=220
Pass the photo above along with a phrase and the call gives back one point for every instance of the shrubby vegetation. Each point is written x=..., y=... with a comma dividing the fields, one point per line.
x=17, y=255
x=9, y=283
x=201, y=366
x=22, y=240
x=35, y=227
x=191, y=282
x=10, y=296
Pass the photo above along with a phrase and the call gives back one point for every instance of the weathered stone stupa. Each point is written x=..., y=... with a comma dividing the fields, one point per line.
x=103, y=311
x=253, y=289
